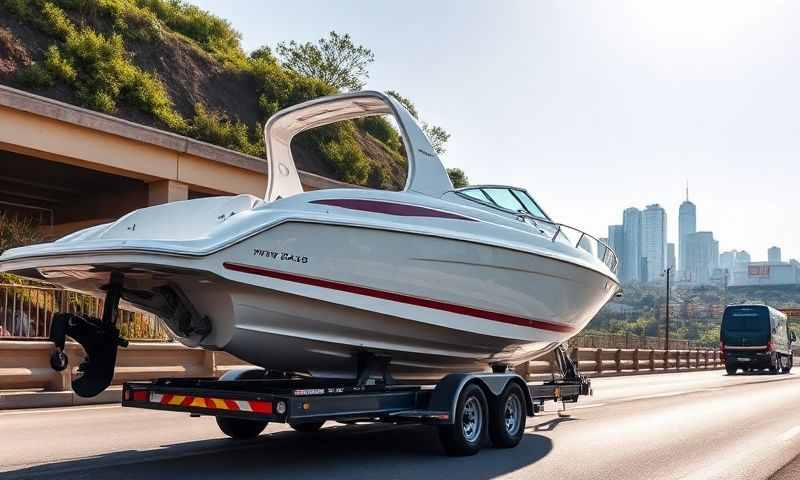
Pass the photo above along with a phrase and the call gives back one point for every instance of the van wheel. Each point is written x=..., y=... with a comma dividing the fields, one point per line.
x=507, y=422
x=775, y=366
x=465, y=435
x=730, y=369
x=241, y=428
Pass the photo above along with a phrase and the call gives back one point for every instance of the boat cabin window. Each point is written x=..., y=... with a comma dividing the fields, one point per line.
x=507, y=198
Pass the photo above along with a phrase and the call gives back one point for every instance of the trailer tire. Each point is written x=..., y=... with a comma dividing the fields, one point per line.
x=240, y=428
x=465, y=436
x=731, y=369
x=312, y=427
x=508, y=416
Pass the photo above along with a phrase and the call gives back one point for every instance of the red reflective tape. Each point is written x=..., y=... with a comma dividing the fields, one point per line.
x=402, y=298
x=261, y=407
x=187, y=401
x=166, y=398
x=231, y=404
x=210, y=403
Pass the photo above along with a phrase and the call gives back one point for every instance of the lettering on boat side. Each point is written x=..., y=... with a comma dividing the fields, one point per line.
x=283, y=256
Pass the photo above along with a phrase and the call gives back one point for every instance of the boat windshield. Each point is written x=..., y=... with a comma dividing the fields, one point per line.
x=520, y=203
x=508, y=198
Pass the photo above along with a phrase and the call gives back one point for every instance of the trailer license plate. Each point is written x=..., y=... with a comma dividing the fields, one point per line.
x=743, y=359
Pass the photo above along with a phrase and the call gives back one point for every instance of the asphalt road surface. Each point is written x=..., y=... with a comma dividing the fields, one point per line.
x=681, y=425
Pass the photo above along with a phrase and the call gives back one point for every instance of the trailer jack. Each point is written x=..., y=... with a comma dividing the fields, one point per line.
x=99, y=338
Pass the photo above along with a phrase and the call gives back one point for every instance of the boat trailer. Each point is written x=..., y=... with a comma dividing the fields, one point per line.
x=466, y=408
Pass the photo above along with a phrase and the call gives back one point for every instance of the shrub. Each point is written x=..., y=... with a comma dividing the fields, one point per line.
x=35, y=75
x=56, y=21
x=58, y=66
x=216, y=128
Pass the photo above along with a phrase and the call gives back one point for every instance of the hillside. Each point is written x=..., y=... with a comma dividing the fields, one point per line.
x=173, y=66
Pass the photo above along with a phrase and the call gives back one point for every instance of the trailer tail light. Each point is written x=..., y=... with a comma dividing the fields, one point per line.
x=770, y=346
x=722, y=347
x=140, y=396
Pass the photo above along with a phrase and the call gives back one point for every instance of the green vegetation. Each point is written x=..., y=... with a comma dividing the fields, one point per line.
x=695, y=312
x=335, y=60
x=92, y=41
x=458, y=177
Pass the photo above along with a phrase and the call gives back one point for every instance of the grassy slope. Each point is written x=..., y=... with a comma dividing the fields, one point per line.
x=202, y=84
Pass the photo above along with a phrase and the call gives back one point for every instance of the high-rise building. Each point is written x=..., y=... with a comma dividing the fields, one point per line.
x=616, y=240
x=671, y=256
x=654, y=241
x=687, y=225
x=774, y=255
x=632, y=245
x=702, y=257
x=727, y=261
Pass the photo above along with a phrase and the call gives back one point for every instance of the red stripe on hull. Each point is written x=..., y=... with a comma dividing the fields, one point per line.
x=402, y=298
x=390, y=208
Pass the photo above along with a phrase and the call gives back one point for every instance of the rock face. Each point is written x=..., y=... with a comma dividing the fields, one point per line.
x=190, y=75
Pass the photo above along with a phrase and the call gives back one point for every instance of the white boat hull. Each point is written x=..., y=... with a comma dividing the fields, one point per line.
x=305, y=296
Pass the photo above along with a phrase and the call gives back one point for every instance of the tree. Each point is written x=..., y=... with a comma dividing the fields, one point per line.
x=263, y=53
x=412, y=109
x=335, y=60
x=438, y=137
x=458, y=177
x=17, y=231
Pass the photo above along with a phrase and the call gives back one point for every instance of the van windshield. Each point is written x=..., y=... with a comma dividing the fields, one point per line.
x=746, y=319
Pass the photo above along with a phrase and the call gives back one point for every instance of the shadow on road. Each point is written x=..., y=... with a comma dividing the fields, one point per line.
x=366, y=451
x=551, y=425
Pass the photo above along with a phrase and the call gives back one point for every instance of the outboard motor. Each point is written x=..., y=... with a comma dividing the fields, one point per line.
x=99, y=338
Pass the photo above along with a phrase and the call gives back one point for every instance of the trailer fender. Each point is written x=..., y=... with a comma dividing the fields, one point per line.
x=249, y=373
x=445, y=394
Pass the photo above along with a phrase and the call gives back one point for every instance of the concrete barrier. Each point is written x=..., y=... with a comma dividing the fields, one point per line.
x=26, y=379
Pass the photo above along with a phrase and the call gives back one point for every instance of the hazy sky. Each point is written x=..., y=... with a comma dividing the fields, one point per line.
x=594, y=107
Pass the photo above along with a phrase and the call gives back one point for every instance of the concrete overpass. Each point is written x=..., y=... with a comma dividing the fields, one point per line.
x=72, y=168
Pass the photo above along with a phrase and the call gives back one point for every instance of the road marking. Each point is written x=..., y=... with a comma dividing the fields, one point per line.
x=593, y=405
x=57, y=410
x=791, y=433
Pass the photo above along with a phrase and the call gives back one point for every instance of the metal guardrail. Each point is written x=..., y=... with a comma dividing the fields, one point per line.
x=27, y=310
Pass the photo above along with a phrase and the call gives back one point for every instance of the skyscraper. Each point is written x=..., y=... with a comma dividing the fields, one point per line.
x=702, y=257
x=687, y=224
x=727, y=261
x=654, y=241
x=616, y=240
x=774, y=255
x=632, y=246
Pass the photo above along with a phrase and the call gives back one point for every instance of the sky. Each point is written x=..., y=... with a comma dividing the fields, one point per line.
x=592, y=106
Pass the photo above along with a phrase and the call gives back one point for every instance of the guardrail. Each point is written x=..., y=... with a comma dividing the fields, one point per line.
x=26, y=312
x=597, y=362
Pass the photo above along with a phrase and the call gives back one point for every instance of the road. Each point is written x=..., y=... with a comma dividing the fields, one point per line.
x=690, y=425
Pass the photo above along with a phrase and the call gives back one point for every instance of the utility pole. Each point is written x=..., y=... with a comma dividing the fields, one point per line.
x=666, y=319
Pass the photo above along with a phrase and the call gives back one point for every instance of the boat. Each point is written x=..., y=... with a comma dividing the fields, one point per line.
x=348, y=283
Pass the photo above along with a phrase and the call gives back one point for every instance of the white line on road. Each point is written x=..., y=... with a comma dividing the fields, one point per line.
x=58, y=410
x=791, y=433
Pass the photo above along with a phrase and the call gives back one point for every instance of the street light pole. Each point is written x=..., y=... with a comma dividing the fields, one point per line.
x=666, y=341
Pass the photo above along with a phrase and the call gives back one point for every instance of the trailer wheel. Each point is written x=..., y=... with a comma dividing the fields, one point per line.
x=789, y=364
x=312, y=427
x=465, y=435
x=731, y=369
x=507, y=423
x=240, y=428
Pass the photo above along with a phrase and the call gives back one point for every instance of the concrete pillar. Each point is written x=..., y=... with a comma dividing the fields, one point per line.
x=165, y=191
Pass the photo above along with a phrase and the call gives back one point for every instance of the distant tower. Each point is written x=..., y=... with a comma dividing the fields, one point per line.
x=632, y=245
x=774, y=255
x=687, y=225
x=654, y=241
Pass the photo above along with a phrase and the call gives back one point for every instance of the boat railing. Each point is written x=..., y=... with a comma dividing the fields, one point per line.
x=576, y=238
